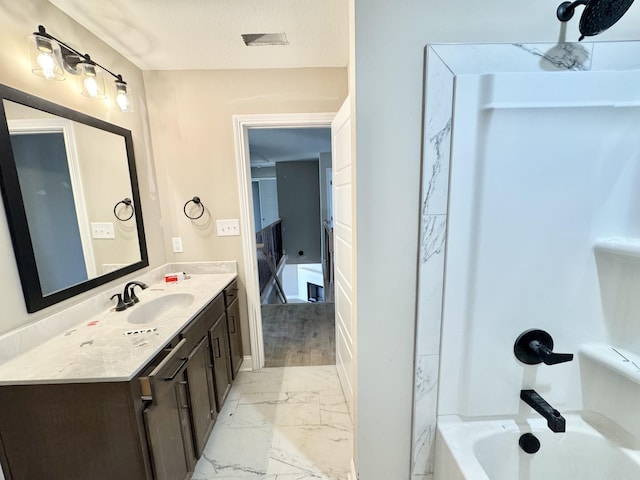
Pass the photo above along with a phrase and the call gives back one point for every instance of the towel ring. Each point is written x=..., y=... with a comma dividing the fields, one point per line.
x=197, y=201
x=127, y=203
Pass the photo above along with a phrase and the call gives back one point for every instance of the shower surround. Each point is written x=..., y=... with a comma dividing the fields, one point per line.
x=537, y=146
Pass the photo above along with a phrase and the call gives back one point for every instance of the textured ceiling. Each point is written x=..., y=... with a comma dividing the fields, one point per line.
x=206, y=34
x=270, y=145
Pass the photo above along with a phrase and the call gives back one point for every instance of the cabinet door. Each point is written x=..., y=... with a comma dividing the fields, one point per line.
x=168, y=428
x=201, y=394
x=235, y=340
x=220, y=357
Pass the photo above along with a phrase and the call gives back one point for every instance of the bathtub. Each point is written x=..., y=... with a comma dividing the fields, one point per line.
x=593, y=448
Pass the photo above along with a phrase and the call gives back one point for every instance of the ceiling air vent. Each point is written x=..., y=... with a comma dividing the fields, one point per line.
x=264, y=39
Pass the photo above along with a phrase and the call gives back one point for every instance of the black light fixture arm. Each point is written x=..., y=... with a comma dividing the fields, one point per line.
x=85, y=56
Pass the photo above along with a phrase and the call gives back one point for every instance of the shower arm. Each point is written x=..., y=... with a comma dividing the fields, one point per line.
x=566, y=10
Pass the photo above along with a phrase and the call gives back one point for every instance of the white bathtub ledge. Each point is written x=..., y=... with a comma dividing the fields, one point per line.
x=618, y=360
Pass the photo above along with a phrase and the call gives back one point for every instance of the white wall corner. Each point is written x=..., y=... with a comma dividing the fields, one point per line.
x=246, y=364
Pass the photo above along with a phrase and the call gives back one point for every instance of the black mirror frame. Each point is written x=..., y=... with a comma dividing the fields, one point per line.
x=16, y=215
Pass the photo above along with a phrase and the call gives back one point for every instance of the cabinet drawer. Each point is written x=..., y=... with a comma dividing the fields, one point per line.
x=199, y=326
x=231, y=293
x=166, y=370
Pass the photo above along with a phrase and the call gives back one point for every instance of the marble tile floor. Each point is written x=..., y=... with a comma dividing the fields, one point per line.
x=288, y=423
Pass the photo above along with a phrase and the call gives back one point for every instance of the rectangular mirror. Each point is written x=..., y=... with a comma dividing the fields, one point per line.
x=71, y=198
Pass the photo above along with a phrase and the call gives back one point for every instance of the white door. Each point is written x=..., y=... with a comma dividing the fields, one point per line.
x=268, y=201
x=329, y=173
x=343, y=250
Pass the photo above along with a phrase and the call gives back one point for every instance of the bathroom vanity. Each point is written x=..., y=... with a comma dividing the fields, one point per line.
x=124, y=395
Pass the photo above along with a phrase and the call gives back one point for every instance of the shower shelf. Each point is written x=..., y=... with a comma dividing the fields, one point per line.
x=629, y=247
x=620, y=361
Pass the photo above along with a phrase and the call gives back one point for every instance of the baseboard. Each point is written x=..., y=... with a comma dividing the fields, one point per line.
x=353, y=475
x=246, y=364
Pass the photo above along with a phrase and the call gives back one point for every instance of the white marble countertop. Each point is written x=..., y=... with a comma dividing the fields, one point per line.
x=102, y=348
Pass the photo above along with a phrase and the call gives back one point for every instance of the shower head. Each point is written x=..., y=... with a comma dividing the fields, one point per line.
x=598, y=15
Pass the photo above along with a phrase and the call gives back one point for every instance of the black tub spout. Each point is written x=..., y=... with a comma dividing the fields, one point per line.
x=555, y=421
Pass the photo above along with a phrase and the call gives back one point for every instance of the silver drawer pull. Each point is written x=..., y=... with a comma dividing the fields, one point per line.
x=183, y=404
x=173, y=352
x=183, y=362
x=216, y=350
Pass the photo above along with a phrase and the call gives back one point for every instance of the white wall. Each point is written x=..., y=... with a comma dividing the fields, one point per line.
x=290, y=282
x=388, y=92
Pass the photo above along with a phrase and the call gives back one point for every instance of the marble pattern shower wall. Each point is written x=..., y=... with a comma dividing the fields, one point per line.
x=435, y=178
x=444, y=63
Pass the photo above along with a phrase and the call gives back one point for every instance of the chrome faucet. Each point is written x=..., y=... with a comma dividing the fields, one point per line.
x=555, y=421
x=129, y=297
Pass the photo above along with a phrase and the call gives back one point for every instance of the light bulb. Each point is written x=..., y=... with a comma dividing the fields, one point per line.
x=45, y=57
x=47, y=64
x=91, y=87
x=91, y=80
x=123, y=101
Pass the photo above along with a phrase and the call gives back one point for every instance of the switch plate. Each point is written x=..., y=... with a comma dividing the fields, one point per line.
x=176, y=242
x=102, y=230
x=228, y=227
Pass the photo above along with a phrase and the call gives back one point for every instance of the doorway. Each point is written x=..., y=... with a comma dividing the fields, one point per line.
x=242, y=126
x=291, y=210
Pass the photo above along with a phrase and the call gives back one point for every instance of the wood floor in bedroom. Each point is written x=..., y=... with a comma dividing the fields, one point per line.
x=299, y=334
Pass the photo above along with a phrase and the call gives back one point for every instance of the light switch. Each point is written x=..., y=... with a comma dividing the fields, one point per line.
x=102, y=230
x=228, y=227
x=176, y=242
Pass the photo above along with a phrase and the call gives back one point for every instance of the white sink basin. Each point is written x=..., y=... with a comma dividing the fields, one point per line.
x=159, y=308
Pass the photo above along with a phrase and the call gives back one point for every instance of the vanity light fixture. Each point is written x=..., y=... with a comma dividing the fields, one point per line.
x=51, y=58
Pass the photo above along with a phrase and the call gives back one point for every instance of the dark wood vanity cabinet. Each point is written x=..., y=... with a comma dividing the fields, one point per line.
x=202, y=399
x=73, y=432
x=153, y=427
x=233, y=325
x=167, y=418
x=200, y=373
x=221, y=360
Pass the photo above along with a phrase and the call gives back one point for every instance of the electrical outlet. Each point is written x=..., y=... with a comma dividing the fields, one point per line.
x=102, y=230
x=228, y=228
x=176, y=242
